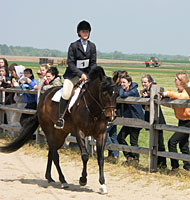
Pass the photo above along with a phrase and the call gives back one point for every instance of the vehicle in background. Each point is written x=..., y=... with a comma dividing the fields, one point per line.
x=153, y=62
x=58, y=62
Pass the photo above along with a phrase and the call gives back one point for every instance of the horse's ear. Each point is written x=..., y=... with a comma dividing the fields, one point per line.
x=97, y=72
x=101, y=73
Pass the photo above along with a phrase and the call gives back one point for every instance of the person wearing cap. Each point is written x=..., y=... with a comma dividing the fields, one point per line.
x=81, y=60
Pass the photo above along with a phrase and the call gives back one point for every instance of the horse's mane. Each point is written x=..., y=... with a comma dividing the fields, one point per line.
x=96, y=72
x=107, y=82
x=107, y=85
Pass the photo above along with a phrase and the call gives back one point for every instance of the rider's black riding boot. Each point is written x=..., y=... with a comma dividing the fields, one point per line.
x=62, y=107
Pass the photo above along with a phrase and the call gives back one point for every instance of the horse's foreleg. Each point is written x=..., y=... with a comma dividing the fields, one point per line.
x=100, y=143
x=55, y=158
x=48, y=169
x=85, y=157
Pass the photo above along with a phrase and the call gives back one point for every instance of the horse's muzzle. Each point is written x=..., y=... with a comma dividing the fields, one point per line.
x=110, y=119
x=110, y=114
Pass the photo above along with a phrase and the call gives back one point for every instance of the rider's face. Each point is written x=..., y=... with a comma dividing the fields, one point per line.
x=84, y=34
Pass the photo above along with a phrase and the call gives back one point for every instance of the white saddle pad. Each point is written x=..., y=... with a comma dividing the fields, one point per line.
x=57, y=96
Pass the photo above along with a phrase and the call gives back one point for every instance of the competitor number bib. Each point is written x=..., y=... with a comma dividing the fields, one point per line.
x=81, y=64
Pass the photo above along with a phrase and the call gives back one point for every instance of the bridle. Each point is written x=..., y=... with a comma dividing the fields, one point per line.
x=100, y=105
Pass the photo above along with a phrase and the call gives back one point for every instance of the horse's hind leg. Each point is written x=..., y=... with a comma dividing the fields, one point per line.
x=85, y=157
x=55, y=158
x=48, y=169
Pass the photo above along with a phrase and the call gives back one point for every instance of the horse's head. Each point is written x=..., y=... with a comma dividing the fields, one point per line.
x=108, y=95
x=106, y=92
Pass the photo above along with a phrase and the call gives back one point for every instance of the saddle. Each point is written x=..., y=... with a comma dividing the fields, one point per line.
x=57, y=96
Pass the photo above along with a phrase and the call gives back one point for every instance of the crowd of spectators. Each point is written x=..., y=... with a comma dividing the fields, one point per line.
x=18, y=76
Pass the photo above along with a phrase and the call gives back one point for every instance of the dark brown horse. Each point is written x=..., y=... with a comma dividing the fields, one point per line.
x=89, y=117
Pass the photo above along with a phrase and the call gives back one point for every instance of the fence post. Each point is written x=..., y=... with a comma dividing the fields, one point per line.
x=154, y=118
x=88, y=145
x=39, y=137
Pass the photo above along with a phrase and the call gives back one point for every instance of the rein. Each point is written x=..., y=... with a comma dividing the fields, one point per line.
x=99, y=105
x=94, y=99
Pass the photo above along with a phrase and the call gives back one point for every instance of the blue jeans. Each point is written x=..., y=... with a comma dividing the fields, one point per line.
x=112, y=138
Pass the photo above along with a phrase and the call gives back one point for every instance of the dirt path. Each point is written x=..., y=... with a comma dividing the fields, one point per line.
x=22, y=178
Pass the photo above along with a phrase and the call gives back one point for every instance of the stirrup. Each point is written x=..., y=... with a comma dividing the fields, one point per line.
x=59, y=123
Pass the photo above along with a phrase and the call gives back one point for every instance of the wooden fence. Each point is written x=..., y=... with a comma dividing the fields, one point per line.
x=154, y=102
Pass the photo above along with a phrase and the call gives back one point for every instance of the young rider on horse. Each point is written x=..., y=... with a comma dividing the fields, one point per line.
x=81, y=59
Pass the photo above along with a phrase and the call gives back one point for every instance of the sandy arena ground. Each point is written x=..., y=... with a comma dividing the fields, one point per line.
x=22, y=178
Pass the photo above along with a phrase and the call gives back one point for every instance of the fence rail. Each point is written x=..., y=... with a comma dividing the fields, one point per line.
x=153, y=126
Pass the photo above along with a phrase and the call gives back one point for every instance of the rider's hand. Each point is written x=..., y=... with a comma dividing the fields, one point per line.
x=83, y=78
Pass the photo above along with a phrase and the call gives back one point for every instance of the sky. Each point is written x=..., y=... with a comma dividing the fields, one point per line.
x=128, y=26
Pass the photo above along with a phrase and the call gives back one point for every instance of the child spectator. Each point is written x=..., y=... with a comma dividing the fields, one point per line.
x=113, y=155
x=53, y=78
x=147, y=81
x=43, y=69
x=5, y=81
x=129, y=88
x=4, y=73
x=42, y=76
x=28, y=82
x=3, y=62
x=183, y=115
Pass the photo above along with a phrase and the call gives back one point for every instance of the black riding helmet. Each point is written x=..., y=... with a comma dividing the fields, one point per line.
x=83, y=25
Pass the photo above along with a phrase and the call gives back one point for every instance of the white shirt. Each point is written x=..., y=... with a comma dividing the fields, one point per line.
x=84, y=44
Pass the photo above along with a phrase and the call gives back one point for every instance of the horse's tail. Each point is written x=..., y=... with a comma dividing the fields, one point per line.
x=29, y=127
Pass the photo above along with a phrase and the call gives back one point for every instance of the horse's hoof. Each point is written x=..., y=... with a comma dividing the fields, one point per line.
x=81, y=182
x=103, y=189
x=65, y=185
